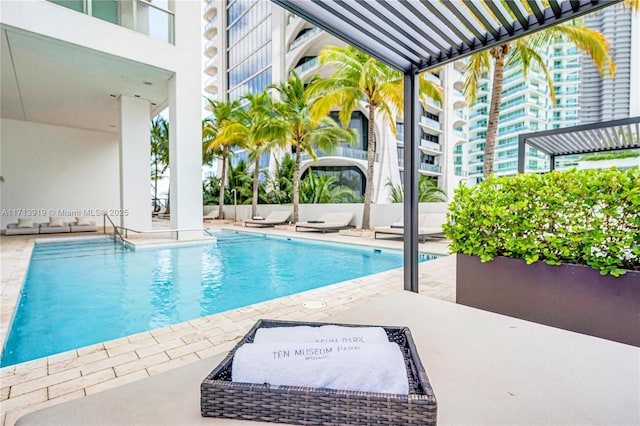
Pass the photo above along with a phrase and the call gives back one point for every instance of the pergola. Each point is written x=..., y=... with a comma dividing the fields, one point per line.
x=418, y=35
x=596, y=137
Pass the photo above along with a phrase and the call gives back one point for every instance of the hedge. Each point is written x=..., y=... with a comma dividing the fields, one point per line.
x=586, y=217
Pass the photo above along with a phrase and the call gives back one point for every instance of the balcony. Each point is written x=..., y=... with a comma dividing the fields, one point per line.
x=304, y=37
x=431, y=147
x=211, y=29
x=310, y=64
x=211, y=46
x=137, y=15
x=342, y=151
x=431, y=123
x=431, y=105
x=426, y=167
x=459, y=100
x=460, y=135
x=433, y=78
x=211, y=85
x=211, y=66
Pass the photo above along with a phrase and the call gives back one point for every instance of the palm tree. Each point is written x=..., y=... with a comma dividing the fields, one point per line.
x=324, y=189
x=224, y=113
x=302, y=130
x=524, y=52
x=159, y=153
x=255, y=130
x=362, y=80
x=428, y=191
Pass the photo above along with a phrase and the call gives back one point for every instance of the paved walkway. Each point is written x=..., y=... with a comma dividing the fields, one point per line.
x=74, y=374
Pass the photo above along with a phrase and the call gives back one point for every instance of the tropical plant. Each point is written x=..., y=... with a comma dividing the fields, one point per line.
x=210, y=191
x=361, y=80
x=525, y=53
x=159, y=153
x=305, y=132
x=279, y=187
x=324, y=189
x=215, y=143
x=428, y=191
x=586, y=217
x=241, y=182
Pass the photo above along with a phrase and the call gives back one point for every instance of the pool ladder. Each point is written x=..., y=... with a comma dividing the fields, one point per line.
x=116, y=233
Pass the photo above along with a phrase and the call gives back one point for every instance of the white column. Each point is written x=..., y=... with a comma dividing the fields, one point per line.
x=185, y=155
x=135, y=153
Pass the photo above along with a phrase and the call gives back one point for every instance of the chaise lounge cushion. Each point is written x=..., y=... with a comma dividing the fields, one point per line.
x=12, y=229
x=84, y=226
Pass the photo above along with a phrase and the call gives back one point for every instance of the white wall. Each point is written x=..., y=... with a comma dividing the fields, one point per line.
x=381, y=214
x=54, y=169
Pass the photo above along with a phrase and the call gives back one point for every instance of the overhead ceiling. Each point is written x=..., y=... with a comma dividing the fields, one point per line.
x=418, y=35
x=596, y=137
x=49, y=81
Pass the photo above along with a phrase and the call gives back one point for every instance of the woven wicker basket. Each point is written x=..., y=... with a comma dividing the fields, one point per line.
x=220, y=397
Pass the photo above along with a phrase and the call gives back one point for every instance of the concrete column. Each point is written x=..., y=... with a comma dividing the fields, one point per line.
x=135, y=153
x=185, y=154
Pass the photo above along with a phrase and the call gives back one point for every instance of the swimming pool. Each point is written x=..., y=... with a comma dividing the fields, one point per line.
x=84, y=292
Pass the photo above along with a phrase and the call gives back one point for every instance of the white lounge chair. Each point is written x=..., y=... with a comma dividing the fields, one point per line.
x=276, y=217
x=429, y=225
x=328, y=222
x=212, y=215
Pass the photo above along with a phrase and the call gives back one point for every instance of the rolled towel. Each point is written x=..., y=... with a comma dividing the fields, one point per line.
x=322, y=334
x=375, y=367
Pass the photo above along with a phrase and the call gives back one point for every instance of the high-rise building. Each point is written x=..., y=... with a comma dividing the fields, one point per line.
x=605, y=99
x=526, y=106
x=255, y=43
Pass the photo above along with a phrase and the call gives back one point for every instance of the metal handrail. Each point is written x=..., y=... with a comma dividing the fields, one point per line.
x=158, y=231
x=115, y=229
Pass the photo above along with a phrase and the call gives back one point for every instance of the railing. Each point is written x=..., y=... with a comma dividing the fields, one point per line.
x=430, y=145
x=211, y=81
x=460, y=135
x=342, y=151
x=304, y=37
x=213, y=23
x=430, y=122
x=433, y=103
x=430, y=167
x=106, y=217
x=310, y=64
x=137, y=15
x=432, y=78
x=117, y=229
x=211, y=61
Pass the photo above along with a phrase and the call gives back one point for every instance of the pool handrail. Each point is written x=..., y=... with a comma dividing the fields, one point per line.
x=115, y=229
x=154, y=231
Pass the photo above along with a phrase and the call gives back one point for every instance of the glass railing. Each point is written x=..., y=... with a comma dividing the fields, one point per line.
x=430, y=122
x=459, y=172
x=304, y=37
x=210, y=8
x=341, y=151
x=310, y=64
x=459, y=134
x=432, y=102
x=136, y=15
x=430, y=167
x=211, y=81
x=432, y=78
x=430, y=145
x=211, y=62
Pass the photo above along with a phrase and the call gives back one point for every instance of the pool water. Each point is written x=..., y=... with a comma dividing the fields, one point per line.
x=80, y=293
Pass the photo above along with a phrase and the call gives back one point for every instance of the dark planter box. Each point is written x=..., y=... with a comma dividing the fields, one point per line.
x=572, y=297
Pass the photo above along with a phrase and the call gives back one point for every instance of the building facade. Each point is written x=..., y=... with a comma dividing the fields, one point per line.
x=256, y=43
x=80, y=83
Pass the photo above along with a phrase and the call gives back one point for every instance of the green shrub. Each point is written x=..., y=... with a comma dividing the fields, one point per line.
x=588, y=217
x=610, y=156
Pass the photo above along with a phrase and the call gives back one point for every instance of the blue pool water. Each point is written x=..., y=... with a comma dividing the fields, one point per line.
x=80, y=293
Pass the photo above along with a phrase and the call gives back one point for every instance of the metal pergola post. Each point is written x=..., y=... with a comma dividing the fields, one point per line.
x=411, y=158
x=521, y=148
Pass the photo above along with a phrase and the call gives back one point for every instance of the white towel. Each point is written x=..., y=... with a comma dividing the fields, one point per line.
x=357, y=367
x=322, y=334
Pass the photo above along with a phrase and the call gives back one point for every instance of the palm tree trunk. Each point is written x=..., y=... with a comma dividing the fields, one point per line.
x=155, y=186
x=222, y=184
x=498, y=54
x=256, y=174
x=371, y=152
x=296, y=185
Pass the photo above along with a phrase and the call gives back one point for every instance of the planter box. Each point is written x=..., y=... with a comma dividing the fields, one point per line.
x=572, y=297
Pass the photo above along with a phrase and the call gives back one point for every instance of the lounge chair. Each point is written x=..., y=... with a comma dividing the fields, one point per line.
x=54, y=226
x=429, y=225
x=212, y=215
x=328, y=222
x=276, y=217
x=23, y=227
x=83, y=225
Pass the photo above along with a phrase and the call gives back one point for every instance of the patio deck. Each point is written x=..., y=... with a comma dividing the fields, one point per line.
x=485, y=368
